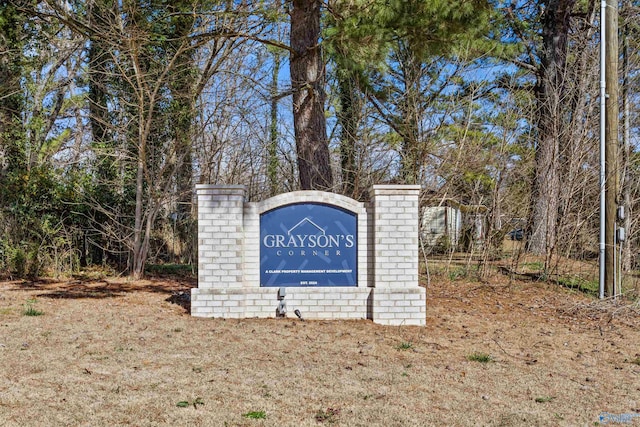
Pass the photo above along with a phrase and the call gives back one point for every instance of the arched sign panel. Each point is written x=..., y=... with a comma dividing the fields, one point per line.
x=308, y=244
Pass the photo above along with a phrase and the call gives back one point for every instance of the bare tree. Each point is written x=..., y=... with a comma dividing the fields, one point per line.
x=149, y=67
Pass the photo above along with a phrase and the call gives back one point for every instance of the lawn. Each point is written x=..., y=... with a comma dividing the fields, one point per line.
x=116, y=352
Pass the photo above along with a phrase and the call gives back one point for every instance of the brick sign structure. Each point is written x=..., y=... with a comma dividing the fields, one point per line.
x=330, y=256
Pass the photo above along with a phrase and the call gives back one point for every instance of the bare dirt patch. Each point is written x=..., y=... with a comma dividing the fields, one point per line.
x=117, y=352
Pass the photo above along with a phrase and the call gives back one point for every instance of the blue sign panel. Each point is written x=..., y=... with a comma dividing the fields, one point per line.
x=308, y=244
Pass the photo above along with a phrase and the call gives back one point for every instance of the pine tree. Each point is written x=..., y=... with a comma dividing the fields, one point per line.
x=307, y=83
x=412, y=38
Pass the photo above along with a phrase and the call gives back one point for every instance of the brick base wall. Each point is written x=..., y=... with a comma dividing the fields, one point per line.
x=313, y=303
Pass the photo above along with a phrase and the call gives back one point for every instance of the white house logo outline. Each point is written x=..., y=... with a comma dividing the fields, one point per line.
x=307, y=220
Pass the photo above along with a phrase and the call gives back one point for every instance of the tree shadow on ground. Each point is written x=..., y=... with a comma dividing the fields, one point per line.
x=85, y=288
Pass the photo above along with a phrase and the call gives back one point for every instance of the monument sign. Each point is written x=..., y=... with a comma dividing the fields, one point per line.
x=321, y=254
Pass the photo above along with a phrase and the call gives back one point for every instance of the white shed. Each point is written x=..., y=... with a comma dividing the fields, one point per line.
x=441, y=221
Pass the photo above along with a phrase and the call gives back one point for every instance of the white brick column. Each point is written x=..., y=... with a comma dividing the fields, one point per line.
x=220, y=250
x=397, y=298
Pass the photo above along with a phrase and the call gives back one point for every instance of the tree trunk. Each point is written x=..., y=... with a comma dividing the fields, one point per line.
x=106, y=168
x=11, y=102
x=549, y=92
x=411, y=112
x=272, y=148
x=182, y=85
x=349, y=118
x=139, y=252
x=307, y=83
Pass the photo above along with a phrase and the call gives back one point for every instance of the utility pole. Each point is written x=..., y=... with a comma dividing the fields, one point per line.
x=611, y=147
x=626, y=132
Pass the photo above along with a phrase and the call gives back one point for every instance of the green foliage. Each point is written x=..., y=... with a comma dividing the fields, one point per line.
x=534, y=266
x=409, y=56
x=480, y=357
x=52, y=145
x=21, y=260
x=361, y=33
x=33, y=262
x=457, y=273
x=544, y=399
x=462, y=272
x=29, y=310
x=255, y=415
x=40, y=215
x=14, y=25
x=587, y=286
x=186, y=403
x=18, y=261
x=407, y=345
x=354, y=36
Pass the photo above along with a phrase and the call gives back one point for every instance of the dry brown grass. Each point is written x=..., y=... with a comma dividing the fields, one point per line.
x=115, y=352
